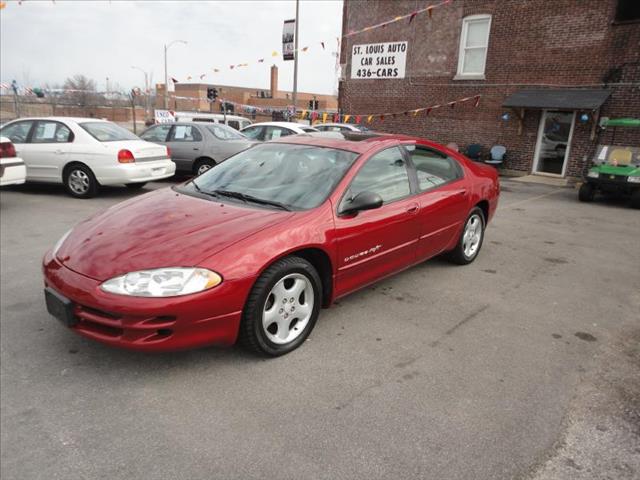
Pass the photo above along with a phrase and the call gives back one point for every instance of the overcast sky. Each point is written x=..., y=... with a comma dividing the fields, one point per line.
x=45, y=42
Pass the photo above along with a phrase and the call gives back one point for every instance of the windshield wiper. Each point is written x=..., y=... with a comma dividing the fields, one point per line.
x=212, y=194
x=251, y=198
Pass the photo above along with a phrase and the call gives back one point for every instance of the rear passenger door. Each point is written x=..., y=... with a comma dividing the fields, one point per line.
x=443, y=199
x=273, y=132
x=186, y=144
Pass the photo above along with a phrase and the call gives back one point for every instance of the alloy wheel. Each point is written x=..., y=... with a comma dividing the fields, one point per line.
x=288, y=308
x=79, y=182
x=472, y=235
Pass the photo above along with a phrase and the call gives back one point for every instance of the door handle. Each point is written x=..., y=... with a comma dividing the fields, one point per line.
x=462, y=192
x=412, y=208
x=58, y=152
x=196, y=148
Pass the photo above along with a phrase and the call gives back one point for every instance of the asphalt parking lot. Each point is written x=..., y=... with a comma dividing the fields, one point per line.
x=441, y=372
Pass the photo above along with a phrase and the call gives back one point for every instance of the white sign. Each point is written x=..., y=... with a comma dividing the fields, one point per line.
x=164, y=116
x=379, y=60
x=288, y=34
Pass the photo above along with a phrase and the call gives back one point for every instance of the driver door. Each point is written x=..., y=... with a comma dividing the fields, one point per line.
x=375, y=243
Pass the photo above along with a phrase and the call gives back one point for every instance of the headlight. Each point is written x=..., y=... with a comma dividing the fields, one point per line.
x=162, y=282
x=59, y=243
x=633, y=179
x=593, y=174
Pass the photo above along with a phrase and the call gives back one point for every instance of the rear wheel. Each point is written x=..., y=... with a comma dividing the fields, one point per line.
x=135, y=186
x=203, y=165
x=587, y=192
x=635, y=199
x=282, y=308
x=80, y=181
x=470, y=240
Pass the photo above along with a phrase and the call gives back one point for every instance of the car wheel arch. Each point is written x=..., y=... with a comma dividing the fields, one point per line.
x=198, y=161
x=484, y=206
x=76, y=163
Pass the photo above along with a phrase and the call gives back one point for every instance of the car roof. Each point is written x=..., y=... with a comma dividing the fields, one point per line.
x=280, y=124
x=332, y=124
x=352, y=141
x=62, y=119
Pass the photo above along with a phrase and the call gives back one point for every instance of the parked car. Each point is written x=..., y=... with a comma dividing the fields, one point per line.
x=266, y=131
x=339, y=127
x=84, y=153
x=196, y=147
x=234, y=121
x=12, y=169
x=254, y=247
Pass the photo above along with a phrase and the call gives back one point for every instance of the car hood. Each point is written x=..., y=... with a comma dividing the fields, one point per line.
x=160, y=229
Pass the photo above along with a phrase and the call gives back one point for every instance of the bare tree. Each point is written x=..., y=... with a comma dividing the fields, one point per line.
x=81, y=90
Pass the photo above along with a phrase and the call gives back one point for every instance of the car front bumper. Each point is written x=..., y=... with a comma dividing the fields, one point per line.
x=613, y=183
x=149, y=324
x=136, y=172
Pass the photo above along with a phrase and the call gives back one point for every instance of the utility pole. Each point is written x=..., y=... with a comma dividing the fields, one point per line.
x=295, y=62
x=14, y=87
x=166, y=75
x=133, y=109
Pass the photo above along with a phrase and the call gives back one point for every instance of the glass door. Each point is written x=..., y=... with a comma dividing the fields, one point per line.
x=554, y=138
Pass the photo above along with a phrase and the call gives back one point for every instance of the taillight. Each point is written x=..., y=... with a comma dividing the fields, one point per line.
x=7, y=150
x=125, y=156
x=168, y=152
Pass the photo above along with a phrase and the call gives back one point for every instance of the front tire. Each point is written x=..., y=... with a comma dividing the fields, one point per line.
x=80, y=182
x=282, y=308
x=470, y=240
x=203, y=165
x=586, y=193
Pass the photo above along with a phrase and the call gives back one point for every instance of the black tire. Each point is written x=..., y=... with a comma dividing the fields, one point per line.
x=587, y=192
x=252, y=334
x=635, y=199
x=135, y=186
x=76, y=174
x=202, y=165
x=458, y=255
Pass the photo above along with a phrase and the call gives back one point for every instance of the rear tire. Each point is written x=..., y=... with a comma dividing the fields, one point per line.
x=635, y=199
x=282, y=308
x=203, y=165
x=135, y=186
x=587, y=192
x=471, y=238
x=80, y=182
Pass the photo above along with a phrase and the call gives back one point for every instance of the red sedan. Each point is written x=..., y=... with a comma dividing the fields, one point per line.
x=253, y=248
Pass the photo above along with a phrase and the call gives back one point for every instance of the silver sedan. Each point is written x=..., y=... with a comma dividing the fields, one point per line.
x=197, y=146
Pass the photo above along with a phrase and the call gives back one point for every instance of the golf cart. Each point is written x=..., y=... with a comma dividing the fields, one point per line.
x=616, y=169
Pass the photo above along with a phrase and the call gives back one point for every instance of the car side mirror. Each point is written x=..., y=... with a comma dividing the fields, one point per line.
x=362, y=201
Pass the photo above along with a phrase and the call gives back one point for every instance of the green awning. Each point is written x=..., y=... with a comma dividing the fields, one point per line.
x=623, y=122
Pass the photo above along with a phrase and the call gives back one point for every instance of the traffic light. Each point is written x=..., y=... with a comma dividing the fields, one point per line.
x=313, y=104
x=212, y=94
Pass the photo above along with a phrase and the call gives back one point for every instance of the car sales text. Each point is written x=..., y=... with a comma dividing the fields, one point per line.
x=379, y=60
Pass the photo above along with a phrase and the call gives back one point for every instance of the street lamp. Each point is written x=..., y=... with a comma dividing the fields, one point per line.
x=146, y=91
x=166, y=76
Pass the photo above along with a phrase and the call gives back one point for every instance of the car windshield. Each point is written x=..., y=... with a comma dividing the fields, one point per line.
x=296, y=176
x=107, y=131
x=224, y=133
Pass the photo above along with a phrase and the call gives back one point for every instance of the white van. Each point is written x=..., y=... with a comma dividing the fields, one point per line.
x=234, y=121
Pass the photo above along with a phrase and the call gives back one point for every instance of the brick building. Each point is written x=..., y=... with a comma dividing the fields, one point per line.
x=256, y=97
x=547, y=72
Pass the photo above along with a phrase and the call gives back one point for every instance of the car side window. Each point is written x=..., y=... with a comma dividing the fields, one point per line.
x=17, y=132
x=254, y=133
x=234, y=124
x=157, y=133
x=276, y=132
x=385, y=174
x=186, y=133
x=433, y=168
x=51, y=132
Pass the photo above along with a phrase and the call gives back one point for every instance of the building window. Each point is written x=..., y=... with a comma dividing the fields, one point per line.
x=474, y=43
x=628, y=10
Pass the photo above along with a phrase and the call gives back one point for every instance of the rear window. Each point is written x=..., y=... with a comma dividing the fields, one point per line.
x=107, y=131
x=224, y=133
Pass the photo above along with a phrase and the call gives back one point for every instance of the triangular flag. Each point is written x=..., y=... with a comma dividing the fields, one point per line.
x=336, y=117
x=398, y=18
x=358, y=118
x=2, y=5
x=415, y=112
x=216, y=70
x=231, y=66
x=202, y=76
x=304, y=49
x=174, y=80
x=381, y=117
x=430, y=11
x=314, y=116
x=303, y=114
x=261, y=60
x=477, y=102
x=346, y=118
x=369, y=118
x=413, y=15
x=428, y=111
x=322, y=43
x=452, y=104
x=324, y=117
x=189, y=77
x=274, y=54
